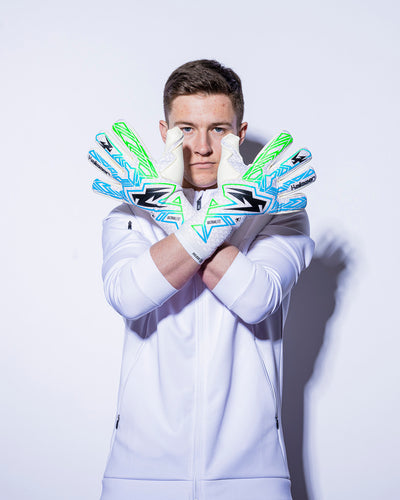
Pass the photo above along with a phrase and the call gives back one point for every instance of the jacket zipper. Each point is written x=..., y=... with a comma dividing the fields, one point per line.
x=197, y=394
x=197, y=379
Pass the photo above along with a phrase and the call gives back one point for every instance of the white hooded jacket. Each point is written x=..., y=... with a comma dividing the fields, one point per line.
x=198, y=413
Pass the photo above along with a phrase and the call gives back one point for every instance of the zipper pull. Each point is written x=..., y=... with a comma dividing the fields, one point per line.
x=117, y=422
x=198, y=206
x=277, y=422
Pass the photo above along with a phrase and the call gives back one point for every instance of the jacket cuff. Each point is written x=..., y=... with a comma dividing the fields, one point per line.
x=151, y=281
x=235, y=281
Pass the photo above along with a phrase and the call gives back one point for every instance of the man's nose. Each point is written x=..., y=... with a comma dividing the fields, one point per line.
x=203, y=144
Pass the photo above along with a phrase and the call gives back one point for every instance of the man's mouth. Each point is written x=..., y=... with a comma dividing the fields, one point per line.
x=203, y=164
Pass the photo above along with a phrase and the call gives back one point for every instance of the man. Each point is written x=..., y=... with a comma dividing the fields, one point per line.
x=199, y=403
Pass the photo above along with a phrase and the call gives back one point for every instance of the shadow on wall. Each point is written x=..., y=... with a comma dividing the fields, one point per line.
x=313, y=303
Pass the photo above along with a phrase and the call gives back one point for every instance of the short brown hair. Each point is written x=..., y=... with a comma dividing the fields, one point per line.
x=204, y=76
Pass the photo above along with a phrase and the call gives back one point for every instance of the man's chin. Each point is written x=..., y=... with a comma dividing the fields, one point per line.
x=199, y=184
x=200, y=188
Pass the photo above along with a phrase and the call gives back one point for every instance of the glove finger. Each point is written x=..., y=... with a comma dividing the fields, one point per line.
x=295, y=161
x=289, y=203
x=117, y=157
x=135, y=146
x=171, y=165
x=97, y=159
x=112, y=190
x=296, y=180
x=267, y=156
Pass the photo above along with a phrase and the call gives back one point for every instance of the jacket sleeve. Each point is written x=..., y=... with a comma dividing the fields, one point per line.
x=257, y=282
x=133, y=285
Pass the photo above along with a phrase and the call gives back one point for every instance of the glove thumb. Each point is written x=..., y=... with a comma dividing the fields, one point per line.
x=173, y=157
x=231, y=166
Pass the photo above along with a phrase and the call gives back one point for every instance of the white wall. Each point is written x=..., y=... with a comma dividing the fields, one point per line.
x=329, y=73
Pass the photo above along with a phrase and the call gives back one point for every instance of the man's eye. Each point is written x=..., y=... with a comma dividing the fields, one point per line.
x=219, y=130
x=186, y=130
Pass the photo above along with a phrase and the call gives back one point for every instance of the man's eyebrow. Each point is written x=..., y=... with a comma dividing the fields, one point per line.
x=214, y=124
x=184, y=123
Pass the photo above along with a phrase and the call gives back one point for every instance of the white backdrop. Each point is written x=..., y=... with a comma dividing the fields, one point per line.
x=326, y=71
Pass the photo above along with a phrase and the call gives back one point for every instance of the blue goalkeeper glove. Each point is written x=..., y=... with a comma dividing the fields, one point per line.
x=266, y=186
x=139, y=180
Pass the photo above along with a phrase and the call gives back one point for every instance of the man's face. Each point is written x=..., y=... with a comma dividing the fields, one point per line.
x=204, y=120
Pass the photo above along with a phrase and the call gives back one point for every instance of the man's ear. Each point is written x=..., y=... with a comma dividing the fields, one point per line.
x=163, y=129
x=242, y=132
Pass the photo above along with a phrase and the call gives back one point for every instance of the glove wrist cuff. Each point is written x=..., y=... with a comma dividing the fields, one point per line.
x=198, y=240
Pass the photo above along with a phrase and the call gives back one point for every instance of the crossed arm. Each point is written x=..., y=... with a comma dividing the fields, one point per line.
x=177, y=267
x=140, y=276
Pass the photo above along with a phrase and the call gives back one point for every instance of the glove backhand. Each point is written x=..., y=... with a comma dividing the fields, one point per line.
x=139, y=180
x=266, y=186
